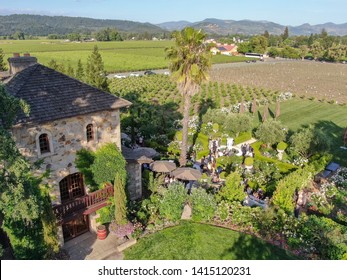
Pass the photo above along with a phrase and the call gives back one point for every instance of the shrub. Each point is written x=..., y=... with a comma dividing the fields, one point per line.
x=108, y=162
x=248, y=161
x=222, y=211
x=271, y=132
x=282, y=146
x=84, y=161
x=232, y=190
x=284, y=194
x=172, y=202
x=203, y=205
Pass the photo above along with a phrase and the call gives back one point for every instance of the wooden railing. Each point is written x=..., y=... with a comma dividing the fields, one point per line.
x=85, y=204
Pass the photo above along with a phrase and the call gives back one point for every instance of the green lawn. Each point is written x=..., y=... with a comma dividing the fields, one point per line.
x=117, y=56
x=296, y=113
x=191, y=241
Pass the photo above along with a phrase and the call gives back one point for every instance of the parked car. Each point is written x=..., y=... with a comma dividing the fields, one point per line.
x=167, y=73
x=118, y=76
x=134, y=75
x=149, y=72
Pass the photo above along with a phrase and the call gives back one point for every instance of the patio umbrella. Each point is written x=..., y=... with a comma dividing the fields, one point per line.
x=186, y=173
x=163, y=166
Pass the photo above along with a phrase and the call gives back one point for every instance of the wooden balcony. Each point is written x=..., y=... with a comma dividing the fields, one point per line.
x=83, y=205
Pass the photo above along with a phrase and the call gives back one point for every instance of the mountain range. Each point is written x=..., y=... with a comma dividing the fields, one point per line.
x=44, y=25
x=39, y=25
x=250, y=27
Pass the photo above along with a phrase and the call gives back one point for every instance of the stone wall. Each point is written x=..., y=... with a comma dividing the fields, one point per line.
x=134, y=180
x=67, y=136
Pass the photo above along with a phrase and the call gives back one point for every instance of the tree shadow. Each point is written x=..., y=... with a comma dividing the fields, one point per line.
x=334, y=133
x=203, y=107
x=260, y=117
x=247, y=247
x=154, y=121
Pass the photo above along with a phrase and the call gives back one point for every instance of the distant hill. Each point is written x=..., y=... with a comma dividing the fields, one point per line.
x=174, y=25
x=249, y=27
x=43, y=25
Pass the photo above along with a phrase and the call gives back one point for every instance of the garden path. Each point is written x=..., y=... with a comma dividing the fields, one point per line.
x=250, y=141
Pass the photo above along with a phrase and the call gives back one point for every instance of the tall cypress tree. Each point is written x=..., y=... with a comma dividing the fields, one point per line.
x=79, y=71
x=3, y=66
x=285, y=34
x=120, y=201
x=95, y=73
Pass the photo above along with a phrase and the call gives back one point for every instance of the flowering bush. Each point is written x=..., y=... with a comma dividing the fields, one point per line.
x=138, y=230
x=340, y=178
x=121, y=230
x=284, y=96
x=300, y=161
x=319, y=201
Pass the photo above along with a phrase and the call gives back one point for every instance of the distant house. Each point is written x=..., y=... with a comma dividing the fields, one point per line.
x=224, y=49
x=67, y=115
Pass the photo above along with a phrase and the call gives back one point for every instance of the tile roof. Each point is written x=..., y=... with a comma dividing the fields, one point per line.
x=53, y=95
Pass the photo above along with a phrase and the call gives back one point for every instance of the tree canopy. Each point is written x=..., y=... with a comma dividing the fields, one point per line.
x=25, y=204
x=271, y=132
x=95, y=74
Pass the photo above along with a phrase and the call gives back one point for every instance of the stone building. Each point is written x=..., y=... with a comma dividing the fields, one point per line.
x=66, y=115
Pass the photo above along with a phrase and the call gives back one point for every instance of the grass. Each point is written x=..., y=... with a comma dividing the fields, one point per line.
x=296, y=113
x=191, y=241
x=117, y=56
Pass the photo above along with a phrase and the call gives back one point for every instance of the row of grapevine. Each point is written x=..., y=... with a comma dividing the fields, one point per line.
x=161, y=89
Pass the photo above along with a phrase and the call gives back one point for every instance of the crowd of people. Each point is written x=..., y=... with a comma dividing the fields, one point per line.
x=247, y=150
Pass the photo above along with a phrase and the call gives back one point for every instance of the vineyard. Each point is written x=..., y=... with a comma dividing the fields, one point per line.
x=157, y=107
x=160, y=89
x=319, y=81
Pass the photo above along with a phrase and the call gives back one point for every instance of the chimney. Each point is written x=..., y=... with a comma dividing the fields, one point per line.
x=19, y=63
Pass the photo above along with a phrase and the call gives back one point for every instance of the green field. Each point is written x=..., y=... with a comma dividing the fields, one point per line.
x=117, y=56
x=190, y=241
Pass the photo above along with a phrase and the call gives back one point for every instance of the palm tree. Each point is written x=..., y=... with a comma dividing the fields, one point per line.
x=190, y=61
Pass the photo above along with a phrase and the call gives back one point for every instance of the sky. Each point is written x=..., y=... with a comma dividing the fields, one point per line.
x=285, y=12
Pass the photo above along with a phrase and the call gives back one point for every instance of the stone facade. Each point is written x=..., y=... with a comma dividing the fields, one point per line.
x=134, y=180
x=66, y=137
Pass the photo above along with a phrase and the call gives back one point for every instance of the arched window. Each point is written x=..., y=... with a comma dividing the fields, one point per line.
x=44, y=143
x=71, y=187
x=90, y=132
